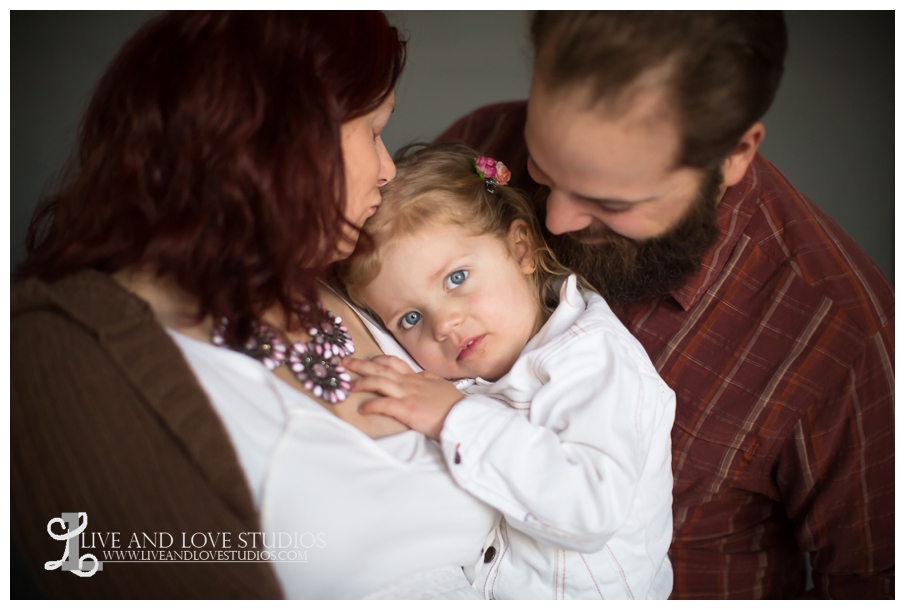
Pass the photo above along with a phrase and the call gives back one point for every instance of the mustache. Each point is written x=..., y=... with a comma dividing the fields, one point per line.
x=594, y=241
x=627, y=271
x=597, y=236
x=600, y=233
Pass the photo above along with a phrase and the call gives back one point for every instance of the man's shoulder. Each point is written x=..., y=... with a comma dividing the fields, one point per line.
x=480, y=122
x=496, y=130
x=789, y=229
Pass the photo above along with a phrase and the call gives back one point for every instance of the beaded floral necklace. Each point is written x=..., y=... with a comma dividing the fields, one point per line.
x=315, y=363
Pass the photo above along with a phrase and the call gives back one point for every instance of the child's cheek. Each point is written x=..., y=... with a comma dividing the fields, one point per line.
x=418, y=348
x=486, y=303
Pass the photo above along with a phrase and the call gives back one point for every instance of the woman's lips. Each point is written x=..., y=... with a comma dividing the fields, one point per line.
x=469, y=348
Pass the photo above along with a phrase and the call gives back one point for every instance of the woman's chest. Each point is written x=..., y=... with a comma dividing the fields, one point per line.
x=368, y=518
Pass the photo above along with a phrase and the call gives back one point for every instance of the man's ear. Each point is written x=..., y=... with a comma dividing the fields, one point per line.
x=522, y=246
x=736, y=164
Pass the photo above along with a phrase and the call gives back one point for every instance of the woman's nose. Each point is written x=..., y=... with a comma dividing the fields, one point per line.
x=387, y=167
x=563, y=216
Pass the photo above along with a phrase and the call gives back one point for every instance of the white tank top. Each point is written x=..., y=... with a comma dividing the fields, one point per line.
x=353, y=517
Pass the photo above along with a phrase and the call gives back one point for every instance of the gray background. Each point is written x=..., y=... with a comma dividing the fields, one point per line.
x=831, y=128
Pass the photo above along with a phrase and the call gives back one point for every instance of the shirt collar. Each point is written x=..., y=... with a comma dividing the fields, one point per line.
x=732, y=215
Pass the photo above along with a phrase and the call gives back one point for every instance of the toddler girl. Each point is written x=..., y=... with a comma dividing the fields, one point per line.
x=564, y=424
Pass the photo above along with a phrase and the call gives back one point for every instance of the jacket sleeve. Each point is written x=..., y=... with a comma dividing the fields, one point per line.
x=566, y=470
x=84, y=439
x=837, y=475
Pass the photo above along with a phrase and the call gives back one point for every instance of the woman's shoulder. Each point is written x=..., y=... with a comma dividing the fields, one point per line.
x=85, y=327
x=88, y=298
x=89, y=315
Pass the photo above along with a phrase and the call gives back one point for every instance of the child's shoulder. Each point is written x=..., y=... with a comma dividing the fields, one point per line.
x=596, y=332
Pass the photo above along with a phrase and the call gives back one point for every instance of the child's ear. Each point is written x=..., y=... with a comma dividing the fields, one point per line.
x=522, y=246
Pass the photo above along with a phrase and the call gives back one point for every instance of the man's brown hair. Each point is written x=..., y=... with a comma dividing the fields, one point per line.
x=720, y=69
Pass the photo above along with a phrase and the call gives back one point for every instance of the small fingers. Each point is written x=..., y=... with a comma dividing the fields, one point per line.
x=378, y=384
x=394, y=363
x=378, y=365
x=367, y=367
x=386, y=406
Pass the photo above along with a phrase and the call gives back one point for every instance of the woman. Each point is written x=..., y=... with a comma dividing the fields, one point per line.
x=224, y=163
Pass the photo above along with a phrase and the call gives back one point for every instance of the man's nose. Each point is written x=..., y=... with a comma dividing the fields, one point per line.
x=563, y=215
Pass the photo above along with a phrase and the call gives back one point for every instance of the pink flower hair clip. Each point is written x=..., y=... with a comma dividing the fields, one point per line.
x=494, y=172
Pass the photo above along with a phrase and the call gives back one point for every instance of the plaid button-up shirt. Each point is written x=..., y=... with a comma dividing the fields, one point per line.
x=780, y=349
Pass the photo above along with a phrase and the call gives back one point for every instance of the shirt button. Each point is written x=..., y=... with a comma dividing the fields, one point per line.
x=489, y=555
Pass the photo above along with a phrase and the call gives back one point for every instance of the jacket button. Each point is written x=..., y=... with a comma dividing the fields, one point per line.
x=489, y=555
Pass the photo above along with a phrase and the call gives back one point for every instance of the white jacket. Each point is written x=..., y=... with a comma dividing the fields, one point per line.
x=579, y=460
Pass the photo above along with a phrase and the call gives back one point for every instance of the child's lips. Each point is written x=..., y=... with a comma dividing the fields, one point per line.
x=469, y=347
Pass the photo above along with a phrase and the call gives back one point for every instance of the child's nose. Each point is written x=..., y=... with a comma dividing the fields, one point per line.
x=444, y=323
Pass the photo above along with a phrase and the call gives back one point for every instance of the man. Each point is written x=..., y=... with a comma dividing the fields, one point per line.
x=772, y=325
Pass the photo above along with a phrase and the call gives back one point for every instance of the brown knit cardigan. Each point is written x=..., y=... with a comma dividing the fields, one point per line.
x=108, y=419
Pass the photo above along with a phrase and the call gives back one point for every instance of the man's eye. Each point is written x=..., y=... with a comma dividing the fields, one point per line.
x=455, y=279
x=615, y=208
x=409, y=320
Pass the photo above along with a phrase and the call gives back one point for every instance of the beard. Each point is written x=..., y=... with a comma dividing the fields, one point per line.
x=626, y=271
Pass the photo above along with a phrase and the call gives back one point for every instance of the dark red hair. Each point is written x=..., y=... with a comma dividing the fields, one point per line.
x=211, y=152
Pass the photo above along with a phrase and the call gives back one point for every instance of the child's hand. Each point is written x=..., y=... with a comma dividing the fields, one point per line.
x=421, y=401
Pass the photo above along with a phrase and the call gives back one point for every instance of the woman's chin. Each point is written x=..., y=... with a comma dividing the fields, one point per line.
x=343, y=250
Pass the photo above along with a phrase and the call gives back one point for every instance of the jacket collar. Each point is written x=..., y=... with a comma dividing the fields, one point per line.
x=125, y=327
x=569, y=308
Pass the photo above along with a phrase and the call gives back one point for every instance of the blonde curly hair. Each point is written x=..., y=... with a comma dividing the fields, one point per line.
x=438, y=184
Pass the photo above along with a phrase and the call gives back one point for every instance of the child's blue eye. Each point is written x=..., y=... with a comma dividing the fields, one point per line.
x=410, y=319
x=455, y=279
